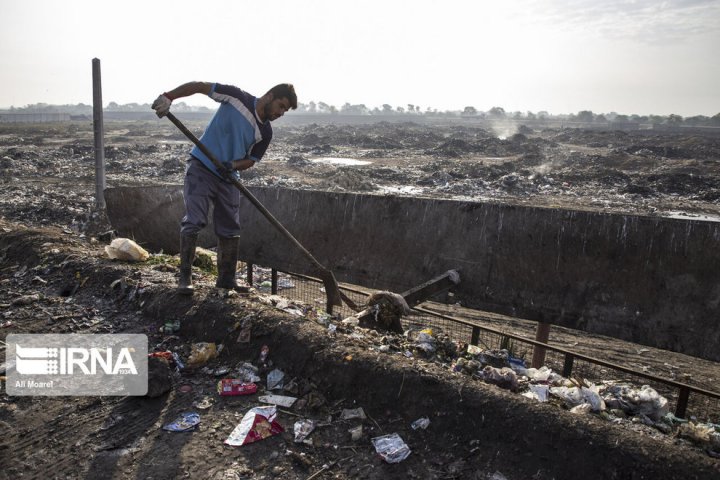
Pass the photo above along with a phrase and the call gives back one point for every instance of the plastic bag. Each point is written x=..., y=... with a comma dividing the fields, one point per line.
x=391, y=448
x=302, y=429
x=592, y=396
x=537, y=392
x=275, y=379
x=421, y=423
x=351, y=413
x=201, y=352
x=126, y=249
x=571, y=395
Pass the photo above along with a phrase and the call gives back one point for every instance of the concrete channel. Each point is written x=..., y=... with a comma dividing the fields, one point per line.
x=648, y=280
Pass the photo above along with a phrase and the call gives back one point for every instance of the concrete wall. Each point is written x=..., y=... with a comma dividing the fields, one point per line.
x=651, y=280
x=37, y=117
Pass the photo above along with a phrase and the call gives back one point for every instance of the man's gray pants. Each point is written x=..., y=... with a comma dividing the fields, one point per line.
x=201, y=188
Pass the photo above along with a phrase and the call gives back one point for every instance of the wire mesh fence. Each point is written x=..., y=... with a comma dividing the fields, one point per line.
x=310, y=291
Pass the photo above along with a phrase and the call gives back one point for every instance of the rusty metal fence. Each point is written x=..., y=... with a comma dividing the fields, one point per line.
x=690, y=401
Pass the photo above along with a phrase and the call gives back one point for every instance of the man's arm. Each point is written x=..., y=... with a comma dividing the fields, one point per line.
x=190, y=88
x=161, y=105
x=243, y=164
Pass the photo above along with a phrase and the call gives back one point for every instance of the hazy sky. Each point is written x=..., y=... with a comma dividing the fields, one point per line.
x=561, y=56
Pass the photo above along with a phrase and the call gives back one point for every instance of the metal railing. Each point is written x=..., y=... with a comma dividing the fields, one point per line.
x=309, y=291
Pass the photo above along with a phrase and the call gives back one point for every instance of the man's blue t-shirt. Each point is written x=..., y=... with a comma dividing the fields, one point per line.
x=235, y=131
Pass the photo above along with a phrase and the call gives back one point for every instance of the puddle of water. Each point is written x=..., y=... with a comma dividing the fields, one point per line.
x=340, y=161
x=405, y=190
x=691, y=216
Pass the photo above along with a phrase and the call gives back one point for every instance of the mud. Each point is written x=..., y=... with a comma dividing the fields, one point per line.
x=56, y=278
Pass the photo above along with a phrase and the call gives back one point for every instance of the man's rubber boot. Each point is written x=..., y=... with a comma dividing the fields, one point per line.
x=227, y=259
x=187, y=257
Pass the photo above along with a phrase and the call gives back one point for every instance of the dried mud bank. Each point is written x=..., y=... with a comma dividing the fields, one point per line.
x=55, y=281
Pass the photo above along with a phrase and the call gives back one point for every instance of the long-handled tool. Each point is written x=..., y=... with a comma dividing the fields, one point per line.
x=334, y=295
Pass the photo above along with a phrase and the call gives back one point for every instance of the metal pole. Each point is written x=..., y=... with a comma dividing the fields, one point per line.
x=99, y=134
x=542, y=334
x=273, y=281
x=249, y=273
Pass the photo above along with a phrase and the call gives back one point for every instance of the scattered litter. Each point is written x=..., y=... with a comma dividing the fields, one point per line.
x=220, y=371
x=264, y=352
x=502, y=377
x=201, y=352
x=592, y=396
x=245, y=334
x=420, y=423
x=279, y=400
x=275, y=379
x=356, y=433
x=634, y=402
x=302, y=429
x=167, y=355
x=474, y=350
x=126, y=249
x=582, y=409
x=233, y=386
x=185, y=388
x=391, y=448
x=248, y=373
x=425, y=342
x=183, y=423
x=701, y=433
x=204, y=403
x=571, y=395
x=537, y=392
x=170, y=327
x=178, y=363
x=351, y=413
x=257, y=424
x=351, y=321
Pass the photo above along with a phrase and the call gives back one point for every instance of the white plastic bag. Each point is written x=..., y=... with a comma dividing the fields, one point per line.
x=126, y=249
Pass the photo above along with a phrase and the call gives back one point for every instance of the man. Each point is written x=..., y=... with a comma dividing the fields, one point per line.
x=238, y=135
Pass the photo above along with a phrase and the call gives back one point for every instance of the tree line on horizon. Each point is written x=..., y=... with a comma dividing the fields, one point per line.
x=322, y=108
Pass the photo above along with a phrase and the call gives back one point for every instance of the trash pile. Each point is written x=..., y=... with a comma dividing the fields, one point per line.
x=261, y=421
x=614, y=401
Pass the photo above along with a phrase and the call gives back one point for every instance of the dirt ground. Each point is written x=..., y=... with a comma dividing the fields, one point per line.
x=56, y=278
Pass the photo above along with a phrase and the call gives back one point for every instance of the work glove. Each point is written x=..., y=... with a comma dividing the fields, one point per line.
x=229, y=173
x=161, y=105
x=228, y=166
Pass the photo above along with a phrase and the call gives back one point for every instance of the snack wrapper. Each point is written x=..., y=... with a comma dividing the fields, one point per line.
x=234, y=386
x=257, y=424
x=183, y=423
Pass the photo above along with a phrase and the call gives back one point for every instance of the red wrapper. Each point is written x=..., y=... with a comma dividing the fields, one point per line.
x=233, y=386
x=257, y=424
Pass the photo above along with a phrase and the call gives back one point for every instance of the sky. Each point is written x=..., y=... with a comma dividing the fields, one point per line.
x=559, y=56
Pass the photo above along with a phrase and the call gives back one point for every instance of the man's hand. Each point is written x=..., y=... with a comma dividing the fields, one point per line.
x=161, y=105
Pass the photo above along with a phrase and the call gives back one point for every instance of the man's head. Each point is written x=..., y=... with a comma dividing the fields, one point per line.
x=277, y=101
